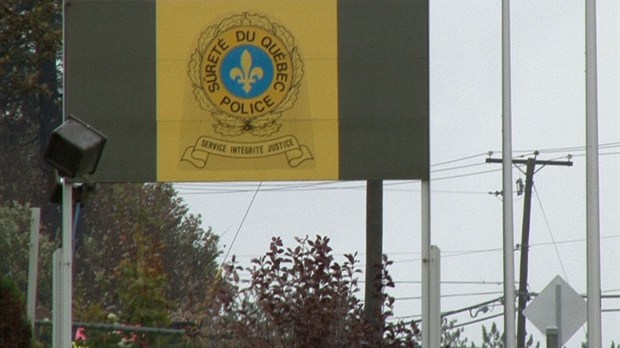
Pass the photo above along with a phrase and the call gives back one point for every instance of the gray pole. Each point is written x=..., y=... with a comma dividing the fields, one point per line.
x=435, y=297
x=593, y=248
x=33, y=264
x=374, y=251
x=508, y=245
x=426, y=259
x=63, y=332
x=558, y=311
x=64, y=295
x=552, y=337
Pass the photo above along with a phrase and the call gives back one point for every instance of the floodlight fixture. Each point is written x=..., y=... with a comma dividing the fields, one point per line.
x=75, y=148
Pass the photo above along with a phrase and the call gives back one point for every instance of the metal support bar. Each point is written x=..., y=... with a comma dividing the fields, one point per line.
x=426, y=269
x=63, y=319
x=539, y=162
x=593, y=247
x=508, y=240
x=435, y=297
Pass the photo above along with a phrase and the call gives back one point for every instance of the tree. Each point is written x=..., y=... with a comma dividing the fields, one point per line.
x=14, y=248
x=297, y=297
x=30, y=98
x=494, y=339
x=451, y=336
x=114, y=214
x=14, y=325
x=143, y=285
x=141, y=294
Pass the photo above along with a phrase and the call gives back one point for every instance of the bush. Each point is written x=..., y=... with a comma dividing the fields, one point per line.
x=15, y=328
x=298, y=297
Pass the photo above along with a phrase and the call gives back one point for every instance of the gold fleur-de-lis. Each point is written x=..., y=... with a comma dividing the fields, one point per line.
x=246, y=74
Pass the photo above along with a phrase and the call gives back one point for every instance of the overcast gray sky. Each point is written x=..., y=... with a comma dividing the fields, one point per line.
x=548, y=110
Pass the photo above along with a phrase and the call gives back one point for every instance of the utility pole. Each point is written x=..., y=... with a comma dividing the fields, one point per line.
x=525, y=235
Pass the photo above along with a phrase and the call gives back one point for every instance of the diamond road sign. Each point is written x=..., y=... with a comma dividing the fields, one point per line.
x=560, y=306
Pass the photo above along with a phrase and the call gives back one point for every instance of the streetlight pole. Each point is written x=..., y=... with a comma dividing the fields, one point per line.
x=507, y=211
x=66, y=279
x=74, y=150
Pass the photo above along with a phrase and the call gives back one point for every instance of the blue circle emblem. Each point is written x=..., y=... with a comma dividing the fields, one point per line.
x=247, y=71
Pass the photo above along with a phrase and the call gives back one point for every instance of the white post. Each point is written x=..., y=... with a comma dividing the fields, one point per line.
x=66, y=288
x=56, y=292
x=426, y=270
x=593, y=249
x=435, y=315
x=558, y=310
x=509, y=273
x=33, y=264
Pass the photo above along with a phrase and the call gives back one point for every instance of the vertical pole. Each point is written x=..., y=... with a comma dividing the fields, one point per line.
x=66, y=287
x=552, y=337
x=426, y=269
x=64, y=297
x=509, y=276
x=33, y=264
x=558, y=311
x=525, y=246
x=56, y=293
x=593, y=249
x=374, y=251
x=435, y=294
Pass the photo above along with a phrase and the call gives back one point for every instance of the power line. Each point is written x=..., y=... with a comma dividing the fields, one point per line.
x=225, y=188
x=566, y=149
x=460, y=159
x=466, y=175
x=455, y=253
x=478, y=320
x=555, y=246
x=459, y=167
x=472, y=294
x=241, y=224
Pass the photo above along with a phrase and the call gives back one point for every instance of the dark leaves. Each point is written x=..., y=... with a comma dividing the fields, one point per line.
x=302, y=297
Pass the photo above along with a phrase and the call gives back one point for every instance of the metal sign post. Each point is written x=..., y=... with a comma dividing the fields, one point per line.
x=509, y=273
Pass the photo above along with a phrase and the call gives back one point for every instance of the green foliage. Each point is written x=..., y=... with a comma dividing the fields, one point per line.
x=31, y=34
x=114, y=214
x=493, y=338
x=297, y=297
x=530, y=343
x=14, y=242
x=451, y=336
x=30, y=95
x=142, y=285
x=15, y=247
x=14, y=325
x=141, y=295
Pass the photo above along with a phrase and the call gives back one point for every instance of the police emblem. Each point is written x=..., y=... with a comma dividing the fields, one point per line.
x=246, y=71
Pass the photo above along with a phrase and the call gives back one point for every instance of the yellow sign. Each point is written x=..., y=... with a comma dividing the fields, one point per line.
x=247, y=90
